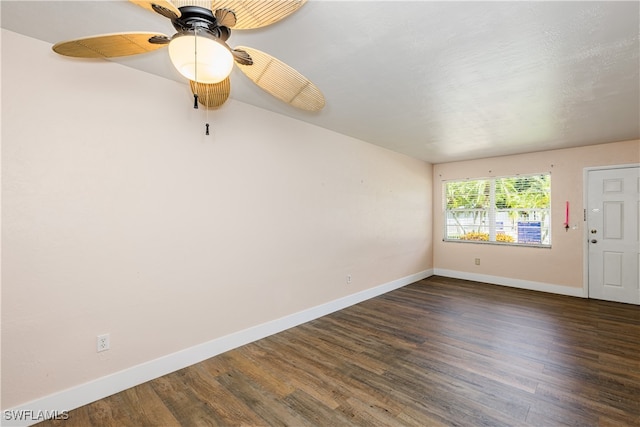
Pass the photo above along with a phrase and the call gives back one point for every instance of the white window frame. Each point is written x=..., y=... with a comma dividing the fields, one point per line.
x=491, y=213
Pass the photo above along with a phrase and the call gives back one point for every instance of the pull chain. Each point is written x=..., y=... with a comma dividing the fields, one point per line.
x=195, y=69
x=195, y=78
x=207, y=113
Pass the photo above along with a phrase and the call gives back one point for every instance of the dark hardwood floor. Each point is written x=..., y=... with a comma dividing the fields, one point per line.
x=438, y=352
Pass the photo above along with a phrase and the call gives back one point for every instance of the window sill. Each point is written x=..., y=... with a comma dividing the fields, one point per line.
x=482, y=242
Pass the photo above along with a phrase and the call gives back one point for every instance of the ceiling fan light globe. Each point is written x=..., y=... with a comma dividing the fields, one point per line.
x=202, y=59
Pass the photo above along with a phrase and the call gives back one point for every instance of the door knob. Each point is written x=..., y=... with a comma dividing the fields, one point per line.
x=594, y=241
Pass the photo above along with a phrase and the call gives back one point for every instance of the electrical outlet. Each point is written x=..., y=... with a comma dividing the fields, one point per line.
x=477, y=261
x=348, y=279
x=102, y=343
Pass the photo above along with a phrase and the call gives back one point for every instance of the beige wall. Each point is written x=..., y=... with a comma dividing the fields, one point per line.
x=562, y=264
x=121, y=216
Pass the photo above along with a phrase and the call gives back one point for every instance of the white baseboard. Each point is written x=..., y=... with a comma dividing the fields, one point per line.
x=66, y=400
x=514, y=283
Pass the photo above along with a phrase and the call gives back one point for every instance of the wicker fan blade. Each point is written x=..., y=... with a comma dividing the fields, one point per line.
x=163, y=7
x=255, y=14
x=109, y=45
x=282, y=81
x=211, y=95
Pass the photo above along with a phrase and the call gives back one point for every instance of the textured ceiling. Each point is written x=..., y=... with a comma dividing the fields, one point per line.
x=440, y=81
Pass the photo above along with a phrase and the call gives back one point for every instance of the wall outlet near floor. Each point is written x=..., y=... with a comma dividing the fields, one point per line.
x=477, y=261
x=102, y=343
x=348, y=279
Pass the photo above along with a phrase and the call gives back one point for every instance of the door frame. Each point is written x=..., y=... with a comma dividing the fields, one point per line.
x=585, y=231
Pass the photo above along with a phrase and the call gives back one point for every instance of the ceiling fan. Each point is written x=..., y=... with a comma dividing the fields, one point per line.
x=200, y=53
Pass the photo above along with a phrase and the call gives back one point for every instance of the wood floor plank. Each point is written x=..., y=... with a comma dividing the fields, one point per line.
x=439, y=352
x=228, y=407
x=443, y=382
x=499, y=371
x=269, y=407
x=183, y=403
x=314, y=411
x=249, y=361
x=292, y=367
x=141, y=406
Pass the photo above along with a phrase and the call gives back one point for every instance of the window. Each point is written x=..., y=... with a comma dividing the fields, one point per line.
x=507, y=210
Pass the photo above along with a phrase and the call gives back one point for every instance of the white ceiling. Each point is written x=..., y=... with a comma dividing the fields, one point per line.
x=440, y=81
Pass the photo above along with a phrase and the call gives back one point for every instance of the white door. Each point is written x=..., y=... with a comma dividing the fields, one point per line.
x=613, y=230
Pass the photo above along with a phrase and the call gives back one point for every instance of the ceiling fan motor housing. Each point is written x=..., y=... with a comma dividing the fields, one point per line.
x=194, y=18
